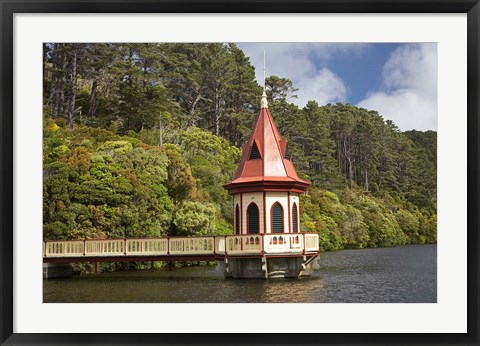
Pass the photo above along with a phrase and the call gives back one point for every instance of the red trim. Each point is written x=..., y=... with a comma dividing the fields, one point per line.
x=165, y=258
x=289, y=213
x=264, y=212
x=241, y=213
x=258, y=186
x=299, y=214
x=248, y=218
x=271, y=218
x=276, y=256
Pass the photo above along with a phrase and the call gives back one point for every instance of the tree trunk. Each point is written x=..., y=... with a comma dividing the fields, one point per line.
x=93, y=99
x=366, y=178
x=60, y=107
x=56, y=89
x=217, y=116
x=160, y=130
x=350, y=172
x=51, y=99
x=73, y=91
x=346, y=154
x=193, y=120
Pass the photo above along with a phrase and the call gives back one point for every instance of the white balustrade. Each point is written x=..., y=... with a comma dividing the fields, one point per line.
x=244, y=244
x=146, y=246
x=247, y=244
x=64, y=248
x=284, y=243
x=192, y=245
x=220, y=245
x=110, y=247
x=311, y=242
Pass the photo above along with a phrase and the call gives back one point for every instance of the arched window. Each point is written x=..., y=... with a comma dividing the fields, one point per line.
x=237, y=220
x=277, y=218
x=295, y=217
x=253, y=221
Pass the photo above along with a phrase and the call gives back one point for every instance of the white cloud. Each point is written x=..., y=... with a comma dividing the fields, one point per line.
x=295, y=61
x=409, y=95
x=325, y=87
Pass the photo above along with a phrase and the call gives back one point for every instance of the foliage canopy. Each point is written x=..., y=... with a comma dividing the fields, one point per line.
x=139, y=139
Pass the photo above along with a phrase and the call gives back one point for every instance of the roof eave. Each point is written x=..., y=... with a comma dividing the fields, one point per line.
x=299, y=186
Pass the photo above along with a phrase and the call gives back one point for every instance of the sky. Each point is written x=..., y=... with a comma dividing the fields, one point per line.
x=399, y=80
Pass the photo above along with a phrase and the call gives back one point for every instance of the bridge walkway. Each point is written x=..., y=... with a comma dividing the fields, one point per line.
x=182, y=248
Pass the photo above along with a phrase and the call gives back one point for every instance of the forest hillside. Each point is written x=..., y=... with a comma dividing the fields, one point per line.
x=140, y=138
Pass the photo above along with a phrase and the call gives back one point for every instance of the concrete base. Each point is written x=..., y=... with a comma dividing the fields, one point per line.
x=266, y=268
x=54, y=271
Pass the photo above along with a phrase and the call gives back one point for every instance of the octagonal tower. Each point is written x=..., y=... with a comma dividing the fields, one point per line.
x=266, y=187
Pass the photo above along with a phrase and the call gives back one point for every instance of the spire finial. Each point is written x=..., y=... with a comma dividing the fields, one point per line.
x=264, y=102
x=264, y=69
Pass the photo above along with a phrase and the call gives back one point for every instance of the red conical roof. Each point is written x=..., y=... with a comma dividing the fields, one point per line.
x=271, y=171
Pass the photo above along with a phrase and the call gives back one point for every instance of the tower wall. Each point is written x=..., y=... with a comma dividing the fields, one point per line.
x=285, y=199
x=270, y=199
x=244, y=200
x=237, y=201
x=294, y=198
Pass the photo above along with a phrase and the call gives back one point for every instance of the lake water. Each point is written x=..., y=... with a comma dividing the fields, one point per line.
x=404, y=274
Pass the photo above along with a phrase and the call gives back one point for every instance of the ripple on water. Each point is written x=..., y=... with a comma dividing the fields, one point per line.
x=405, y=274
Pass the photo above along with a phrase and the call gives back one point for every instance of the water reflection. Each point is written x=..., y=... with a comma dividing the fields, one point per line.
x=401, y=274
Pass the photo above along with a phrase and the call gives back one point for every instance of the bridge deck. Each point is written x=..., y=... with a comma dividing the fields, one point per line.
x=182, y=248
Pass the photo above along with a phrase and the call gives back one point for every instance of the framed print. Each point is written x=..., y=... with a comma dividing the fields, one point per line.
x=260, y=172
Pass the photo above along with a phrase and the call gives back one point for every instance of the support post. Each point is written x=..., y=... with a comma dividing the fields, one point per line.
x=264, y=266
x=304, y=244
x=263, y=244
x=225, y=238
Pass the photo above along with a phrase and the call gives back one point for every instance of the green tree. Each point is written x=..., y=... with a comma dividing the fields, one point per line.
x=194, y=218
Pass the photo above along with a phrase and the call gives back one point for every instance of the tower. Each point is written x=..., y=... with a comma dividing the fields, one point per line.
x=266, y=187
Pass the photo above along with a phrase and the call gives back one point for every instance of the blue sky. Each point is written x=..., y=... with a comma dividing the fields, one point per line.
x=397, y=80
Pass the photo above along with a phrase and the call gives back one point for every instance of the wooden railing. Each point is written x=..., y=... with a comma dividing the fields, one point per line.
x=247, y=244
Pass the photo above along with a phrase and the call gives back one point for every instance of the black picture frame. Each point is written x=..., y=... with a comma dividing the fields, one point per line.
x=10, y=7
